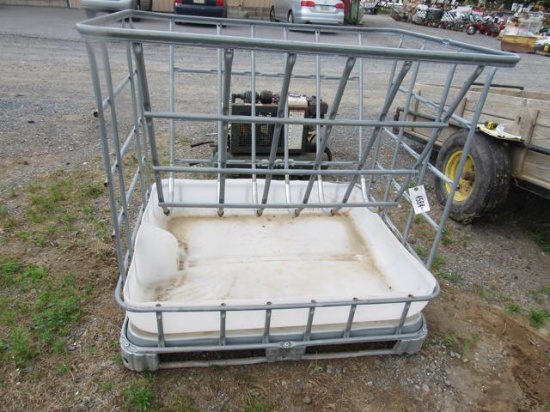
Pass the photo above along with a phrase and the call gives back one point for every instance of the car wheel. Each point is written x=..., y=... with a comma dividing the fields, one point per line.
x=91, y=13
x=485, y=180
x=145, y=5
x=272, y=14
x=290, y=17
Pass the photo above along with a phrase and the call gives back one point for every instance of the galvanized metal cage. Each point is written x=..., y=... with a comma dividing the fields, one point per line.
x=163, y=86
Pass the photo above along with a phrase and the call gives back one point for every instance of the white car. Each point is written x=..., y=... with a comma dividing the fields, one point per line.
x=308, y=11
x=92, y=7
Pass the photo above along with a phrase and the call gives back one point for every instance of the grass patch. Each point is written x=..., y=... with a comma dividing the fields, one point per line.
x=449, y=342
x=513, y=308
x=59, y=211
x=451, y=276
x=37, y=311
x=538, y=317
x=138, y=395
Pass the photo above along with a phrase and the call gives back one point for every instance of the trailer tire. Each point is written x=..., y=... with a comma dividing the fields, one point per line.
x=485, y=180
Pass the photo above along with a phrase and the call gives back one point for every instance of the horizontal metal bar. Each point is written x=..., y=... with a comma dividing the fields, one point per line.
x=268, y=205
x=203, y=117
x=281, y=171
x=466, y=53
x=261, y=74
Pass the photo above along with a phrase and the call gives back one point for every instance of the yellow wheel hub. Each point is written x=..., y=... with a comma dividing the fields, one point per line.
x=467, y=177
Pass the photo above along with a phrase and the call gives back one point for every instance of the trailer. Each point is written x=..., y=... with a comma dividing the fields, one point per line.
x=243, y=251
x=511, y=147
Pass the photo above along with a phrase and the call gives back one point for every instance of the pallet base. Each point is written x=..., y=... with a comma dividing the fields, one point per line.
x=179, y=354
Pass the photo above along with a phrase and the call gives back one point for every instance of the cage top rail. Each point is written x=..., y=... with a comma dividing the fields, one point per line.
x=458, y=52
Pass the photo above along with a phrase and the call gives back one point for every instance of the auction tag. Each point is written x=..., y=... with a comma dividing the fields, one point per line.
x=419, y=199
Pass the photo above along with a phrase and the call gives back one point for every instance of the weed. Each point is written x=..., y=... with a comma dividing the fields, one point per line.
x=420, y=251
x=63, y=368
x=256, y=405
x=449, y=342
x=9, y=268
x=446, y=239
x=538, y=317
x=138, y=395
x=513, y=308
x=32, y=276
x=437, y=263
x=451, y=276
x=21, y=347
x=106, y=386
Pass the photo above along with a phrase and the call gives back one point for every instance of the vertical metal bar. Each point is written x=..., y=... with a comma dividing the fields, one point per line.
x=290, y=60
x=171, y=108
x=398, y=141
x=139, y=130
x=361, y=109
x=160, y=327
x=253, y=114
x=106, y=157
x=325, y=134
x=461, y=163
x=383, y=113
x=349, y=323
x=403, y=317
x=318, y=149
x=223, y=126
x=223, y=331
x=146, y=104
x=424, y=156
x=118, y=154
x=311, y=314
x=267, y=324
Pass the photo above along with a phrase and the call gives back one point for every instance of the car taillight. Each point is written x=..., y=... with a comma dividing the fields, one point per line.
x=339, y=5
x=219, y=3
x=307, y=3
x=178, y=1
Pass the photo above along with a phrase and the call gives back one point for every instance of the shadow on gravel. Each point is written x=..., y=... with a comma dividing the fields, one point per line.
x=527, y=211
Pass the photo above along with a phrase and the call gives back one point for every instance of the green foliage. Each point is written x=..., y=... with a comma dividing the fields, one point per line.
x=256, y=405
x=449, y=342
x=59, y=208
x=58, y=306
x=513, y=308
x=38, y=312
x=9, y=268
x=21, y=347
x=138, y=395
x=538, y=317
x=451, y=276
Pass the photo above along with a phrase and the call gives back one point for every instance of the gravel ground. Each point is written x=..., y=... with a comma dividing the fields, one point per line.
x=494, y=362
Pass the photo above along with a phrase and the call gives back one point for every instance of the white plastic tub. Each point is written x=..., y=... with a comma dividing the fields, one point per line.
x=194, y=258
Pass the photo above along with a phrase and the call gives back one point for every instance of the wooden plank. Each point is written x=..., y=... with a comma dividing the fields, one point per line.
x=536, y=169
x=163, y=5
